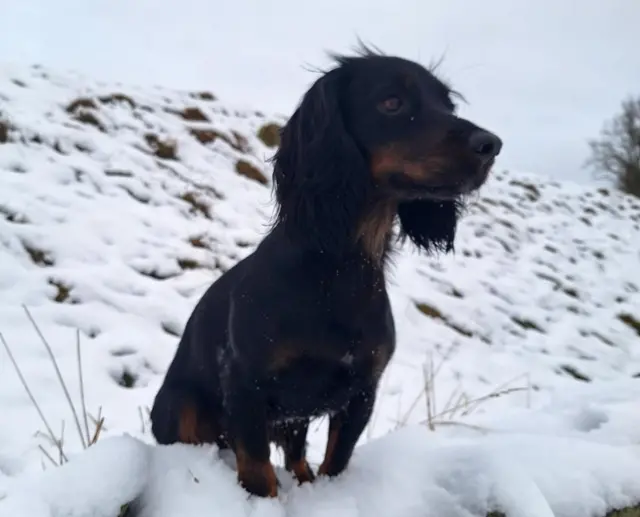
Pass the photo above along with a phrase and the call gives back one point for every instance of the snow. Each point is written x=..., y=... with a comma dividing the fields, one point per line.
x=524, y=338
x=409, y=473
x=412, y=472
x=98, y=482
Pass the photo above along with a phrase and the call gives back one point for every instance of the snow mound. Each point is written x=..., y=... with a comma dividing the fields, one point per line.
x=98, y=483
x=412, y=473
x=409, y=473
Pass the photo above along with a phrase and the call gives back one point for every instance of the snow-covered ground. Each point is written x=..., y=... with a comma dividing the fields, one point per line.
x=515, y=385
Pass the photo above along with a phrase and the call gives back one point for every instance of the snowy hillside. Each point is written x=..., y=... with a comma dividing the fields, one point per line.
x=118, y=206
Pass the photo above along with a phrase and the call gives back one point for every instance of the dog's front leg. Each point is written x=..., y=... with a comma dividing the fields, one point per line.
x=345, y=428
x=247, y=422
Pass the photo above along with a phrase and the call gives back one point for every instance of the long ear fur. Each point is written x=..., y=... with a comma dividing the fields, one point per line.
x=430, y=225
x=320, y=175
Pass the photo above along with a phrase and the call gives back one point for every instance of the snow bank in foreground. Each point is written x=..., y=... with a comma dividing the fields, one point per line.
x=95, y=483
x=408, y=473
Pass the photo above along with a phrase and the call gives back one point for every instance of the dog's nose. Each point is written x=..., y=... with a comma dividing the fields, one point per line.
x=485, y=144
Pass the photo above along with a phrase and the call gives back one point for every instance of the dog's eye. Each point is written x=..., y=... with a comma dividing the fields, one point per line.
x=391, y=105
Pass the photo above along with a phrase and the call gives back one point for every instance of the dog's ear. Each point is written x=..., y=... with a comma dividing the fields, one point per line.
x=430, y=225
x=320, y=175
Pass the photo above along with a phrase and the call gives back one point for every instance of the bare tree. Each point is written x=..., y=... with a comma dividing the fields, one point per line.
x=617, y=152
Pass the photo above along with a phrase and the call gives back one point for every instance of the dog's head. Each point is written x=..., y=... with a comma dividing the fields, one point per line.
x=379, y=128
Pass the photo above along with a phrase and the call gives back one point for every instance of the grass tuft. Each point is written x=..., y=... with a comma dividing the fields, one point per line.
x=270, y=134
x=244, y=168
x=38, y=256
x=87, y=438
x=197, y=206
x=63, y=291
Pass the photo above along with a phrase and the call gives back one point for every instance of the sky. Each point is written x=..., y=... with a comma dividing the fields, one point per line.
x=544, y=75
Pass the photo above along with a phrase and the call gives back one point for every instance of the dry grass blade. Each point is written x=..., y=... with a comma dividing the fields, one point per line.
x=48, y=456
x=476, y=402
x=497, y=392
x=451, y=423
x=62, y=460
x=32, y=398
x=96, y=434
x=58, y=373
x=427, y=371
x=99, y=423
x=142, y=426
x=435, y=372
x=461, y=404
x=452, y=395
x=85, y=440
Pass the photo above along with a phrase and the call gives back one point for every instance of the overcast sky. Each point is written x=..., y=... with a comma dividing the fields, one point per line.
x=542, y=74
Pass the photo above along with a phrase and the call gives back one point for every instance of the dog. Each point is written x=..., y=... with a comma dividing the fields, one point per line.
x=302, y=327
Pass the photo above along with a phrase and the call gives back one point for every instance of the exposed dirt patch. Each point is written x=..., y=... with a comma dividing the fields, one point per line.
x=205, y=96
x=81, y=103
x=152, y=273
x=198, y=206
x=13, y=216
x=241, y=144
x=575, y=373
x=533, y=193
x=118, y=98
x=4, y=131
x=432, y=312
x=244, y=168
x=117, y=173
x=205, y=136
x=187, y=263
x=89, y=118
x=164, y=149
x=126, y=379
x=198, y=242
x=193, y=114
x=526, y=324
x=38, y=256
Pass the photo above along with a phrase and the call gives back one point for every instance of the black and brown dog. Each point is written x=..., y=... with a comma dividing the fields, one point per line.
x=303, y=327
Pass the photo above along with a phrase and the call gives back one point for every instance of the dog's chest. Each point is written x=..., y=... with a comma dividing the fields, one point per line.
x=328, y=369
x=311, y=387
x=334, y=341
